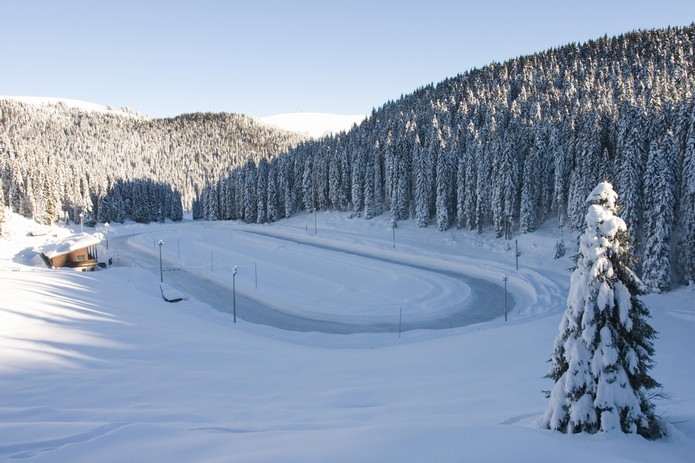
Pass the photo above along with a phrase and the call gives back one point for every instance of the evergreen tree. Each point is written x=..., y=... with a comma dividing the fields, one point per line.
x=308, y=188
x=321, y=177
x=686, y=219
x=603, y=351
x=262, y=191
x=104, y=209
x=51, y=192
x=445, y=198
x=285, y=186
x=345, y=185
x=435, y=146
x=2, y=204
x=402, y=177
x=504, y=190
x=659, y=188
x=530, y=190
x=630, y=162
x=226, y=196
x=273, y=213
x=211, y=203
x=250, y=188
x=486, y=193
x=422, y=184
x=400, y=202
x=587, y=149
x=378, y=180
x=334, y=182
x=197, y=207
x=176, y=208
x=467, y=183
x=369, y=195
x=27, y=203
x=359, y=166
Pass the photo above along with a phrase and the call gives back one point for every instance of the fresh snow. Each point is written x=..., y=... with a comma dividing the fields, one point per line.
x=315, y=125
x=98, y=367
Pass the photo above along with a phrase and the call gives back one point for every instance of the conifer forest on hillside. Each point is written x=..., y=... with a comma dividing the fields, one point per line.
x=500, y=148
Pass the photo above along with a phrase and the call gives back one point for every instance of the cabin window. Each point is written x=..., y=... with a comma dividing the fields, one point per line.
x=80, y=258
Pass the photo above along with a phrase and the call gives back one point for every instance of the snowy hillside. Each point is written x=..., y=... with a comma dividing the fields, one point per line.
x=70, y=103
x=41, y=137
x=315, y=125
x=97, y=367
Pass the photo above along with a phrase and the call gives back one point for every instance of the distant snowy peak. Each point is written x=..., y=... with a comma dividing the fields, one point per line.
x=73, y=104
x=315, y=125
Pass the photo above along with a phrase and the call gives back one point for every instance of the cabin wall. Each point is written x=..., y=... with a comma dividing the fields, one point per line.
x=84, y=257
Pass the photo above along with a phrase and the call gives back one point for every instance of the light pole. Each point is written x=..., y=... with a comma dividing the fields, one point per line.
x=81, y=222
x=234, y=290
x=161, y=272
x=505, y=299
x=400, y=320
x=106, y=227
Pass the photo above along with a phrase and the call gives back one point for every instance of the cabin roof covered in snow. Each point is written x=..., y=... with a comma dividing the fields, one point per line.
x=69, y=244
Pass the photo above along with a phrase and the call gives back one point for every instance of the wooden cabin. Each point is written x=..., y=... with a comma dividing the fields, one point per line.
x=77, y=251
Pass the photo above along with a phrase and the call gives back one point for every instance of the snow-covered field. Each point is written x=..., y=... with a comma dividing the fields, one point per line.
x=97, y=367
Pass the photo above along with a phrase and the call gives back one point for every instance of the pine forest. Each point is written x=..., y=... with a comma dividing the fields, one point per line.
x=501, y=148
x=59, y=161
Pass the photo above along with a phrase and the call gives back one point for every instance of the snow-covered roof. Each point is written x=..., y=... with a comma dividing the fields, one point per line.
x=69, y=244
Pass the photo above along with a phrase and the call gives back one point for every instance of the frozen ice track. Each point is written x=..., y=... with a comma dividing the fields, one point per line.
x=485, y=302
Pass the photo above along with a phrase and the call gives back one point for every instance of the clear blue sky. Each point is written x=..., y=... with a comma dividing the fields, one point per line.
x=264, y=57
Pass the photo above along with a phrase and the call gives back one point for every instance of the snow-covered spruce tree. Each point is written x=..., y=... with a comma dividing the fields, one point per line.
x=2, y=204
x=686, y=261
x=603, y=351
x=423, y=186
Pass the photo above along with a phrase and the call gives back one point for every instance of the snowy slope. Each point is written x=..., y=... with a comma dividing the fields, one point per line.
x=315, y=125
x=97, y=367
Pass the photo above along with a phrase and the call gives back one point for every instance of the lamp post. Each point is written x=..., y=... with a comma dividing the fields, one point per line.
x=505, y=299
x=161, y=272
x=234, y=290
x=81, y=222
x=106, y=227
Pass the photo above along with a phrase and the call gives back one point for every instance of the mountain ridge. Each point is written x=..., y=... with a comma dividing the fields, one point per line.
x=309, y=124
